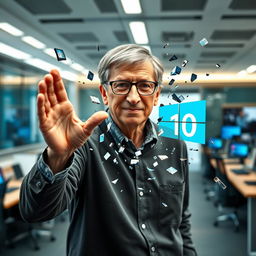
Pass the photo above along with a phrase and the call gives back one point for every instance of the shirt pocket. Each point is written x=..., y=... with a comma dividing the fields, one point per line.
x=170, y=204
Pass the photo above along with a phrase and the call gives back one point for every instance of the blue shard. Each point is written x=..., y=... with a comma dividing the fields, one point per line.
x=176, y=70
x=174, y=57
x=193, y=77
x=90, y=75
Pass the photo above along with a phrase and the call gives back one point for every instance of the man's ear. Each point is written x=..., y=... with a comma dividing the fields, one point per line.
x=104, y=95
x=156, y=98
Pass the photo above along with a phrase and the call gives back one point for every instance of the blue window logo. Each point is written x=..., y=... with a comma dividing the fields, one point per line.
x=185, y=121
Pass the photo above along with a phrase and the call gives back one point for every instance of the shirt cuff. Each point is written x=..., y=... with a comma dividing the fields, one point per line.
x=45, y=170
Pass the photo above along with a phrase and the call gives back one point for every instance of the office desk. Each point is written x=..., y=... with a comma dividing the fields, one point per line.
x=249, y=192
x=12, y=198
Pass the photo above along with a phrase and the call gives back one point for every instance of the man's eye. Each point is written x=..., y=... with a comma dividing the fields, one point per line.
x=122, y=85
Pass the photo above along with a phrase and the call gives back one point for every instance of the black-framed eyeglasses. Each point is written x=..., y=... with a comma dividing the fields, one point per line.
x=123, y=87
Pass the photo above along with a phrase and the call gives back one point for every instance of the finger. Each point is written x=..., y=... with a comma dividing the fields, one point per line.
x=93, y=121
x=41, y=109
x=50, y=90
x=42, y=88
x=59, y=87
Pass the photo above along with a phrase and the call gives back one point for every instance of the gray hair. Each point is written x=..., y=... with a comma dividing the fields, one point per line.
x=125, y=55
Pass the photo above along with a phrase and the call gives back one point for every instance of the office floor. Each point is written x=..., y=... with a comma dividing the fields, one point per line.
x=209, y=241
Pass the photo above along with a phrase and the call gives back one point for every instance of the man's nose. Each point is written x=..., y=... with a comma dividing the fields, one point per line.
x=133, y=97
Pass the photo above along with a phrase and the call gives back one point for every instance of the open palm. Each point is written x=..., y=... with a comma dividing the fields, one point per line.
x=63, y=131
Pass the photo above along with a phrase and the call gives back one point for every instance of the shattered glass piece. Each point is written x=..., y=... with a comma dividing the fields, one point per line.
x=217, y=65
x=154, y=157
x=140, y=188
x=184, y=63
x=121, y=149
x=115, y=181
x=174, y=57
x=176, y=98
x=181, y=98
x=176, y=86
x=163, y=157
x=165, y=45
x=159, y=119
x=134, y=161
x=111, y=144
x=183, y=159
x=173, y=150
x=152, y=178
x=171, y=82
x=138, y=153
x=102, y=136
x=193, y=77
x=203, y=42
x=152, y=145
x=121, y=190
x=217, y=180
x=165, y=205
x=116, y=152
x=107, y=155
x=95, y=100
x=108, y=126
x=60, y=54
x=90, y=75
x=155, y=164
x=91, y=149
x=160, y=132
x=176, y=70
x=149, y=191
x=115, y=161
x=150, y=169
x=130, y=167
x=171, y=170
x=207, y=74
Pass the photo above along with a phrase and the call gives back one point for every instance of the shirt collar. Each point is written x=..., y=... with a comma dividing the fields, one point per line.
x=120, y=138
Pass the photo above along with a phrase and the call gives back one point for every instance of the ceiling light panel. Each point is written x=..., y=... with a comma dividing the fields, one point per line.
x=131, y=6
x=139, y=32
x=33, y=42
x=10, y=29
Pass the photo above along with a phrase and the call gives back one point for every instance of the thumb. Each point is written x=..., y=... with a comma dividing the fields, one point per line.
x=93, y=121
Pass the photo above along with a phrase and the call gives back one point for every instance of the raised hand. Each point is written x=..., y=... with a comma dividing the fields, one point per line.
x=63, y=131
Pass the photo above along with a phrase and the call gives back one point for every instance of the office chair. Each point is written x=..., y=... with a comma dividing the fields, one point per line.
x=227, y=198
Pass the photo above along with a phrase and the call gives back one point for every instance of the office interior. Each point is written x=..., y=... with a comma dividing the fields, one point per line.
x=222, y=170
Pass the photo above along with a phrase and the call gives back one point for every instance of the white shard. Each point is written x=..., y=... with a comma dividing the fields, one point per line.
x=165, y=205
x=134, y=161
x=107, y=155
x=95, y=99
x=121, y=149
x=203, y=42
x=138, y=153
x=160, y=132
x=155, y=164
x=171, y=170
x=163, y=157
x=150, y=169
x=114, y=181
x=108, y=126
x=102, y=136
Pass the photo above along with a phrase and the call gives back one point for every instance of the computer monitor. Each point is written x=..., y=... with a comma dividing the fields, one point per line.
x=239, y=150
x=215, y=143
x=228, y=132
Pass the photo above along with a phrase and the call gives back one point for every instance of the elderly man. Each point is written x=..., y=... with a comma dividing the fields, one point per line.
x=125, y=187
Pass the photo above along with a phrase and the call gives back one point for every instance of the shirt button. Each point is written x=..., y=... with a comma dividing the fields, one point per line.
x=141, y=193
x=39, y=184
x=153, y=248
x=143, y=226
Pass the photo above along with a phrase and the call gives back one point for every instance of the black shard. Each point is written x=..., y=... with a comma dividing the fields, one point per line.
x=90, y=75
x=165, y=45
x=60, y=54
x=171, y=82
x=174, y=57
x=193, y=77
x=217, y=65
x=176, y=98
x=161, y=104
x=159, y=119
x=207, y=74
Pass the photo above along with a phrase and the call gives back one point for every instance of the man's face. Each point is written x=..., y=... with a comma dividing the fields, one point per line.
x=131, y=110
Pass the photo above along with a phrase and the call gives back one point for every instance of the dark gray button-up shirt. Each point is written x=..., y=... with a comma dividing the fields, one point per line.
x=121, y=200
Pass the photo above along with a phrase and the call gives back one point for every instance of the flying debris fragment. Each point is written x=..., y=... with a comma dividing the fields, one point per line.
x=193, y=77
x=176, y=98
x=165, y=45
x=171, y=82
x=184, y=63
x=203, y=42
x=171, y=170
x=217, y=65
x=174, y=57
x=217, y=180
x=90, y=75
x=176, y=70
x=60, y=54
x=95, y=100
